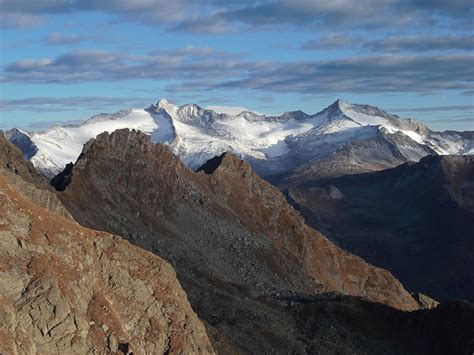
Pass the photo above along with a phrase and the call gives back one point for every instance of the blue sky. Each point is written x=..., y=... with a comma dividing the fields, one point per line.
x=65, y=60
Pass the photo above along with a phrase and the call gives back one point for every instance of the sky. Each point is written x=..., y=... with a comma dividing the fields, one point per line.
x=66, y=60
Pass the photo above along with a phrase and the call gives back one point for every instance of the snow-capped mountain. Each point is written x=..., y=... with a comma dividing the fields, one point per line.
x=273, y=144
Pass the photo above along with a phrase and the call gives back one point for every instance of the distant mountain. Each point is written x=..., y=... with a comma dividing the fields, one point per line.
x=272, y=144
x=416, y=220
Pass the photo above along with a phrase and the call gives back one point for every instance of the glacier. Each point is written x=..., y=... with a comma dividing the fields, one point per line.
x=272, y=144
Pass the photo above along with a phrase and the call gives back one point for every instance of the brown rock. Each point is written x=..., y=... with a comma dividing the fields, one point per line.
x=71, y=290
x=425, y=301
x=23, y=176
x=235, y=242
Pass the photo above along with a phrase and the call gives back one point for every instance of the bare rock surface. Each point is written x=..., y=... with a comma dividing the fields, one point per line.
x=426, y=302
x=25, y=178
x=65, y=289
x=235, y=242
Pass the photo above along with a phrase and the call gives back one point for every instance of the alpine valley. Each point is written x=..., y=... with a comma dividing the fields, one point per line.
x=182, y=230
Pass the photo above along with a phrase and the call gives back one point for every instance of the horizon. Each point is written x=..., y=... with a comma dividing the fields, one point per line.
x=68, y=60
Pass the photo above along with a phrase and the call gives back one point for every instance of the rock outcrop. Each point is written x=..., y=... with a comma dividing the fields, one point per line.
x=23, y=176
x=235, y=242
x=426, y=302
x=240, y=251
x=66, y=289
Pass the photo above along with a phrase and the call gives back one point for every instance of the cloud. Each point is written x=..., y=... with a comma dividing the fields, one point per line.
x=58, y=39
x=25, y=13
x=332, y=41
x=220, y=16
x=43, y=125
x=36, y=7
x=343, y=14
x=422, y=43
x=436, y=108
x=392, y=44
x=85, y=66
x=456, y=119
x=230, y=110
x=363, y=75
x=202, y=70
x=61, y=104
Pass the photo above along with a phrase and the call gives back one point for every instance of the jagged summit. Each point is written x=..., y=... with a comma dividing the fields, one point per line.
x=341, y=107
x=297, y=115
x=272, y=144
x=23, y=141
x=244, y=256
x=229, y=188
x=165, y=105
x=334, y=109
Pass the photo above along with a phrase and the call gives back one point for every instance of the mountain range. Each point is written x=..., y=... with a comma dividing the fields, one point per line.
x=366, y=138
x=257, y=278
x=178, y=229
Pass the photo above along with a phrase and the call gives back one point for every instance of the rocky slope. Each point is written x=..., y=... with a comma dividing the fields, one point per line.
x=272, y=144
x=416, y=220
x=233, y=239
x=68, y=289
x=65, y=289
x=23, y=176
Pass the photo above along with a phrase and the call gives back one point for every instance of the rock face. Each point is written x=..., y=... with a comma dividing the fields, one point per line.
x=65, y=289
x=425, y=301
x=235, y=242
x=23, y=176
x=416, y=220
x=23, y=142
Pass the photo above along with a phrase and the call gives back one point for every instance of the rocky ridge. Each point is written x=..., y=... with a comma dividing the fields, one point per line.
x=67, y=289
x=236, y=244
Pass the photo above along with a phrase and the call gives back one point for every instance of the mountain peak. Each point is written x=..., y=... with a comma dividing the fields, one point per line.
x=162, y=102
x=297, y=115
x=336, y=108
x=191, y=110
x=166, y=105
x=342, y=104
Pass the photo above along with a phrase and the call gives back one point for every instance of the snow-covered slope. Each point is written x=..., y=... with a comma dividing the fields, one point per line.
x=273, y=144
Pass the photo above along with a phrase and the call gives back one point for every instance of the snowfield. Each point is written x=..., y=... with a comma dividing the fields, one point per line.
x=196, y=135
